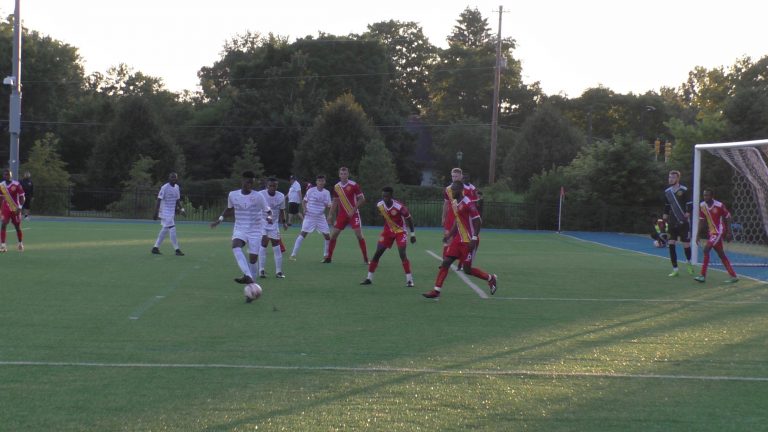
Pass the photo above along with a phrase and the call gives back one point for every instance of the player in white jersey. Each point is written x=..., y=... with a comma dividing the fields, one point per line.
x=165, y=210
x=249, y=208
x=276, y=202
x=316, y=202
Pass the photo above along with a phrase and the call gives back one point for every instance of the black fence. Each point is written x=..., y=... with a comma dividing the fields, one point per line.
x=140, y=204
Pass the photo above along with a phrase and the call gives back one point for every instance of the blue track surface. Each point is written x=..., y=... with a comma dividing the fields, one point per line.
x=644, y=244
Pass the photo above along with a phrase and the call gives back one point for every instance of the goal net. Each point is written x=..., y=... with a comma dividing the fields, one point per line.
x=739, y=175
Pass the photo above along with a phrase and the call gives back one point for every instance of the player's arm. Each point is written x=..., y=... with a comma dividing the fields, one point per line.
x=411, y=228
x=179, y=209
x=227, y=212
x=156, y=215
x=446, y=205
x=476, y=223
x=282, y=219
x=360, y=200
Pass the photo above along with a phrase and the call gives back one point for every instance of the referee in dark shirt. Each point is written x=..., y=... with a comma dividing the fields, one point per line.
x=29, y=192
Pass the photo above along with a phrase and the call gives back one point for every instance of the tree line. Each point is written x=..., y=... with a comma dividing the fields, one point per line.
x=387, y=103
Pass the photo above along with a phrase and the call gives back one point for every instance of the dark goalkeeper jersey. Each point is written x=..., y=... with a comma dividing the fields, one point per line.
x=678, y=202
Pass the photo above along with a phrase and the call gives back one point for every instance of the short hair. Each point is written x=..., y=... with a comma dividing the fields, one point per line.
x=675, y=172
x=456, y=171
x=708, y=189
x=271, y=179
x=320, y=176
x=249, y=174
x=344, y=169
x=292, y=177
x=388, y=189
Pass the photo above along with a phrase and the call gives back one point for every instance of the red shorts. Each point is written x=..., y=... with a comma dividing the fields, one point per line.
x=343, y=219
x=9, y=215
x=387, y=238
x=460, y=251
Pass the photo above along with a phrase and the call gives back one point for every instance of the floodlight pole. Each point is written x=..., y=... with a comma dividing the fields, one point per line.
x=495, y=115
x=14, y=120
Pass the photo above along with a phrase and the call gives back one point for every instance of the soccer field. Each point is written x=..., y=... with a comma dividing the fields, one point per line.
x=100, y=335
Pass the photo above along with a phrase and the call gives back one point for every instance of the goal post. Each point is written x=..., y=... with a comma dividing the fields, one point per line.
x=748, y=201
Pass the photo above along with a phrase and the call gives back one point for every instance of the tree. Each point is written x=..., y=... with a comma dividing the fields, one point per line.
x=411, y=54
x=547, y=140
x=51, y=178
x=337, y=138
x=376, y=169
x=138, y=182
x=247, y=161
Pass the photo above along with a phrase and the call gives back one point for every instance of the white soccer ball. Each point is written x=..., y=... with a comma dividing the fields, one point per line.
x=252, y=291
x=656, y=243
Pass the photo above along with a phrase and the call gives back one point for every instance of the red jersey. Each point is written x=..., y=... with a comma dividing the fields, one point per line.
x=714, y=215
x=394, y=216
x=465, y=212
x=347, y=195
x=10, y=195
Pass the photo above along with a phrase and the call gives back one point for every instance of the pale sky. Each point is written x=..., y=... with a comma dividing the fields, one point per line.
x=568, y=46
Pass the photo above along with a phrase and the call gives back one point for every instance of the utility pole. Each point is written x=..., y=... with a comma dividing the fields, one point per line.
x=14, y=120
x=495, y=115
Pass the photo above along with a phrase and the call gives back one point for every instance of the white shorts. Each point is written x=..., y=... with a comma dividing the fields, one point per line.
x=167, y=221
x=252, y=239
x=272, y=230
x=318, y=223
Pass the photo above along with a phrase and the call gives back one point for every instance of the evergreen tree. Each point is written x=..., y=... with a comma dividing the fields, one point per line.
x=50, y=175
x=248, y=161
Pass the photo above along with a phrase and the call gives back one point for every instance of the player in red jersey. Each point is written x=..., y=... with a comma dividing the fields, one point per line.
x=463, y=241
x=456, y=175
x=347, y=198
x=396, y=217
x=12, y=197
x=715, y=221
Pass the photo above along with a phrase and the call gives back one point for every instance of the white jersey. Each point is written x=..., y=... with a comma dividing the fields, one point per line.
x=294, y=193
x=317, y=201
x=249, y=211
x=275, y=202
x=169, y=195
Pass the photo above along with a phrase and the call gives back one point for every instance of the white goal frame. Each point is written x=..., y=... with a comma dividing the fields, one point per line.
x=698, y=148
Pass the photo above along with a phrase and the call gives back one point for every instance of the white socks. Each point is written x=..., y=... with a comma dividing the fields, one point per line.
x=242, y=262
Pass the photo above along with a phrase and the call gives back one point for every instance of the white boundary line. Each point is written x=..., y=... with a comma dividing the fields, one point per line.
x=383, y=369
x=632, y=300
x=715, y=268
x=463, y=277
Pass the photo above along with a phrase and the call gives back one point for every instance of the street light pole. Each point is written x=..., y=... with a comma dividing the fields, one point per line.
x=459, y=157
x=14, y=120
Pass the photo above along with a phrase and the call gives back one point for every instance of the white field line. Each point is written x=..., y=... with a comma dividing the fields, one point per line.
x=715, y=268
x=463, y=277
x=382, y=369
x=631, y=300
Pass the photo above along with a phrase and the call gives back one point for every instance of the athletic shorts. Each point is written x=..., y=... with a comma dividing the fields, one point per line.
x=343, y=219
x=459, y=250
x=681, y=232
x=272, y=230
x=312, y=223
x=293, y=208
x=167, y=221
x=252, y=239
x=8, y=215
x=388, y=238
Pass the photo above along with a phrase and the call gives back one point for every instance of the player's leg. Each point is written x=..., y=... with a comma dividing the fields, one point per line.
x=726, y=262
x=339, y=226
x=164, y=230
x=3, y=231
x=16, y=221
x=307, y=226
x=479, y=273
x=171, y=224
x=241, y=260
x=401, y=245
x=380, y=249
x=673, y=256
x=686, y=241
x=705, y=262
x=356, y=226
x=277, y=253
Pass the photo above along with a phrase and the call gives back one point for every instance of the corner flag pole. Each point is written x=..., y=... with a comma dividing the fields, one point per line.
x=560, y=210
x=14, y=120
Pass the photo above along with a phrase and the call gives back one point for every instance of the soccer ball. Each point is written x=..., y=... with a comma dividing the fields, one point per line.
x=252, y=291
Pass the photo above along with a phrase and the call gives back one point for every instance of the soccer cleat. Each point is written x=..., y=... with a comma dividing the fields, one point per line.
x=292, y=257
x=263, y=274
x=366, y=282
x=732, y=280
x=156, y=251
x=3, y=248
x=21, y=247
x=700, y=279
x=691, y=269
x=492, y=284
x=280, y=275
x=243, y=280
x=409, y=284
x=326, y=260
x=434, y=294
x=674, y=273
x=179, y=252
x=248, y=299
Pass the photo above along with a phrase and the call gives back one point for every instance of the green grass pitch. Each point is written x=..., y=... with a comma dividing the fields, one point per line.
x=97, y=334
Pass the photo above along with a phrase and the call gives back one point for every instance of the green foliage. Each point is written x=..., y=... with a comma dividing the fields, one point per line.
x=469, y=138
x=376, y=169
x=133, y=202
x=547, y=140
x=338, y=137
x=247, y=161
x=50, y=176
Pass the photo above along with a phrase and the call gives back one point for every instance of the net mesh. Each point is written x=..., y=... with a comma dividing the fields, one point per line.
x=749, y=204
